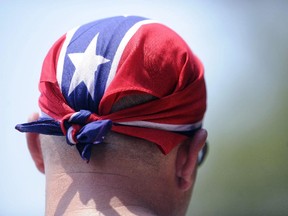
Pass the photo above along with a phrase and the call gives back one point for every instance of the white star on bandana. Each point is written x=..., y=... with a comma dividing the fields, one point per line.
x=86, y=65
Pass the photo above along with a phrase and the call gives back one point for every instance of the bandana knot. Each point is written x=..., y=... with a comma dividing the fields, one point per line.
x=84, y=129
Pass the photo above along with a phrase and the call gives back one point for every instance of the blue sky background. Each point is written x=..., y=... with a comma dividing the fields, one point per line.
x=244, y=47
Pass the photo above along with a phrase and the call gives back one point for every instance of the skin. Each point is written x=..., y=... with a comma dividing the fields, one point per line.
x=116, y=182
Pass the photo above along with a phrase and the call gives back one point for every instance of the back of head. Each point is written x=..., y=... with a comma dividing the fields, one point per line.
x=114, y=62
x=114, y=149
x=125, y=92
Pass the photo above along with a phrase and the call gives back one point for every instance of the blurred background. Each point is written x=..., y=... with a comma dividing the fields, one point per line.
x=244, y=47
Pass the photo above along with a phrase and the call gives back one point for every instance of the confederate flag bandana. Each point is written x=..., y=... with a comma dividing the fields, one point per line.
x=93, y=66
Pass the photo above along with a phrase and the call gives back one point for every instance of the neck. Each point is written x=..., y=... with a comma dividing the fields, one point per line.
x=93, y=193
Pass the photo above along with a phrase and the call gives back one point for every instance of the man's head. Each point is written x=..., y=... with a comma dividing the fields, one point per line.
x=130, y=95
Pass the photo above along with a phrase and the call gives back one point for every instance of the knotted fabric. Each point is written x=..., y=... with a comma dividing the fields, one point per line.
x=93, y=67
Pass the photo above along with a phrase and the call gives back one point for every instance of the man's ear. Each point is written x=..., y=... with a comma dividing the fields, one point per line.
x=34, y=146
x=186, y=161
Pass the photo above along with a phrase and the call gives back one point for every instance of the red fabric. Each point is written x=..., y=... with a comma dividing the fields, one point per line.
x=155, y=61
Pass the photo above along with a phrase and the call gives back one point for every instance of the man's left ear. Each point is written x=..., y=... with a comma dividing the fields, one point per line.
x=34, y=146
x=187, y=157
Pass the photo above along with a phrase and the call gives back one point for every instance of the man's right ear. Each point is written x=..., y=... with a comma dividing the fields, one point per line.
x=187, y=158
x=34, y=145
